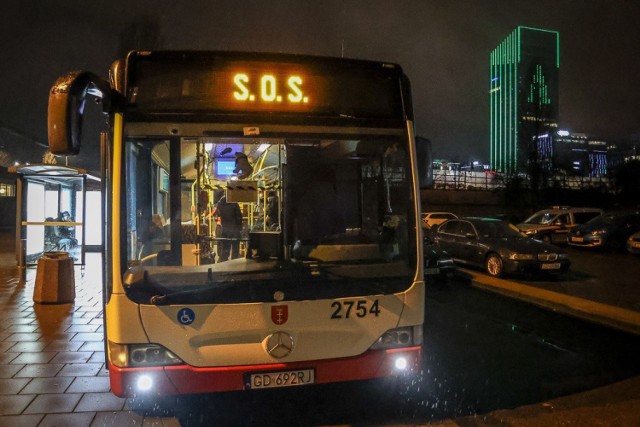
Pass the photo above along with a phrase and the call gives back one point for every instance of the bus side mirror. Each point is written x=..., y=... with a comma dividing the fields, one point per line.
x=424, y=157
x=66, y=109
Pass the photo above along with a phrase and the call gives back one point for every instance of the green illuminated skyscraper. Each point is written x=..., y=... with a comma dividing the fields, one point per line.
x=523, y=96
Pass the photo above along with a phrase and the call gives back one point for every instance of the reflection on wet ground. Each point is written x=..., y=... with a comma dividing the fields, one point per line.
x=52, y=358
x=482, y=352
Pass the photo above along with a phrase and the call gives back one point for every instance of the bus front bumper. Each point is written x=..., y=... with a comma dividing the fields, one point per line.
x=186, y=379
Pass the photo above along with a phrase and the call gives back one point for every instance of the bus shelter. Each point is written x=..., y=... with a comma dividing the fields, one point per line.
x=58, y=209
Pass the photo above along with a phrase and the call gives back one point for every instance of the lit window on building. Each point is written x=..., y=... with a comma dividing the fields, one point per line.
x=7, y=190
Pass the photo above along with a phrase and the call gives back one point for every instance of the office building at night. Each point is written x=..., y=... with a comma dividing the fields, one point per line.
x=523, y=98
x=573, y=154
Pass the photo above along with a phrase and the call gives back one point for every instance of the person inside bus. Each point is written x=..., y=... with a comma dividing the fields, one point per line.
x=272, y=210
x=152, y=237
x=155, y=231
x=230, y=220
x=243, y=168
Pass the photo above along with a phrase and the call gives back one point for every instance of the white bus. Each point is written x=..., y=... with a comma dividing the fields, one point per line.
x=321, y=279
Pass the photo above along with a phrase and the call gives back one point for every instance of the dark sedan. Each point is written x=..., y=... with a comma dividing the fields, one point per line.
x=499, y=248
x=438, y=264
x=610, y=230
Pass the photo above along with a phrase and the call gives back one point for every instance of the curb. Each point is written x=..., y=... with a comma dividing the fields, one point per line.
x=615, y=317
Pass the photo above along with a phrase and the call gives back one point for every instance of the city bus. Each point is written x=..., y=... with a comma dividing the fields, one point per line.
x=320, y=280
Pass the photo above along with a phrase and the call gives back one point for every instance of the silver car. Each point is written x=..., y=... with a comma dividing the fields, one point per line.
x=633, y=243
x=554, y=224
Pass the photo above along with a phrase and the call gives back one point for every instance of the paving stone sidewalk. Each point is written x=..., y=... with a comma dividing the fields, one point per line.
x=52, y=369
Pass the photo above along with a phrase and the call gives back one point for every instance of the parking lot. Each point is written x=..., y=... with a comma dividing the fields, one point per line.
x=609, y=278
x=59, y=348
x=600, y=285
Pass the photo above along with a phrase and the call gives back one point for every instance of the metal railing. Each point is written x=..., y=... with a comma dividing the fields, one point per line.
x=466, y=180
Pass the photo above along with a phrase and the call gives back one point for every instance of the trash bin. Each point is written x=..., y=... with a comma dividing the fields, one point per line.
x=55, y=281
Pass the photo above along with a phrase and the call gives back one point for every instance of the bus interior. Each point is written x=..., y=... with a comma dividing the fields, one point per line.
x=307, y=199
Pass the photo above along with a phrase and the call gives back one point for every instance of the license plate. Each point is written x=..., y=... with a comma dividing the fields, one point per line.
x=553, y=266
x=635, y=244
x=577, y=239
x=280, y=379
x=433, y=270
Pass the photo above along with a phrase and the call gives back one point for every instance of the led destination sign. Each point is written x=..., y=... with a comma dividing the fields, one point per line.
x=213, y=85
x=267, y=89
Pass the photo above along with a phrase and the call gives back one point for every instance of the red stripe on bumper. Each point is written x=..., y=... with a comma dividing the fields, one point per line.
x=185, y=379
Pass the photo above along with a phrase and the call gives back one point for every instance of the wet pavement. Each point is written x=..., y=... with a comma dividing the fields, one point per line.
x=52, y=369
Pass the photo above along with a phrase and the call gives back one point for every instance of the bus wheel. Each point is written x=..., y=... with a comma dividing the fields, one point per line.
x=616, y=245
x=493, y=265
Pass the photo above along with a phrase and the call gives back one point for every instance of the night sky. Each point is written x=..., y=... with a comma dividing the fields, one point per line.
x=443, y=46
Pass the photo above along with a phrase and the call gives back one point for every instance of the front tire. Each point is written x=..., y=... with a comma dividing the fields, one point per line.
x=616, y=245
x=493, y=265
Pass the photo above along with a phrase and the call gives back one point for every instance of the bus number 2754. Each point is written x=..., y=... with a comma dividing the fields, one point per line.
x=359, y=308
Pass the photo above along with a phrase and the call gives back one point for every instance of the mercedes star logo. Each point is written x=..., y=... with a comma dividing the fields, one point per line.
x=279, y=344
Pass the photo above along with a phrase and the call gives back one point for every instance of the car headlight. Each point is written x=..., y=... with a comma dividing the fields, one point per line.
x=141, y=355
x=399, y=337
x=563, y=256
x=520, y=257
x=599, y=232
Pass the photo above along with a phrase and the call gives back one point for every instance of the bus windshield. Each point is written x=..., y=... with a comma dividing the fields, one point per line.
x=237, y=219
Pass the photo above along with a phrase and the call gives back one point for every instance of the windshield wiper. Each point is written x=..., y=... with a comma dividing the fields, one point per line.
x=146, y=283
x=164, y=298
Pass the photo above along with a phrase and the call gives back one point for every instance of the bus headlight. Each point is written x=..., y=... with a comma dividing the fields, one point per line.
x=144, y=383
x=407, y=336
x=401, y=363
x=141, y=355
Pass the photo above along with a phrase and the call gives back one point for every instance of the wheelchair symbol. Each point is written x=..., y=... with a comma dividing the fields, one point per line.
x=186, y=316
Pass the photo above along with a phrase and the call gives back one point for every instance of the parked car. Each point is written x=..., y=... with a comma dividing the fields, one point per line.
x=499, y=248
x=633, y=243
x=436, y=218
x=438, y=263
x=553, y=225
x=610, y=230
